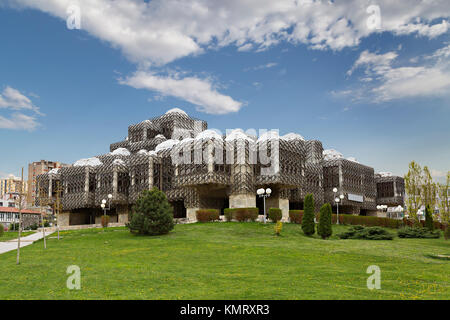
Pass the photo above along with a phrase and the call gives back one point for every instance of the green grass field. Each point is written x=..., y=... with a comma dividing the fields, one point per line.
x=10, y=235
x=225, y=261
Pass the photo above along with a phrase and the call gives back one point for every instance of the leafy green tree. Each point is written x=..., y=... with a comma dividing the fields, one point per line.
x=429, y=189
x=413, y=188
x=444, y=201
x=324, y=227
x=428, y=218
x=308, y=225
x=152, y=214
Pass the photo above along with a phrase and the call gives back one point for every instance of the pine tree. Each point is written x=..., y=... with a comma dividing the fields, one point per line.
x=308, y=225
x=152, y=214
x=324, y=227
x=428, y=218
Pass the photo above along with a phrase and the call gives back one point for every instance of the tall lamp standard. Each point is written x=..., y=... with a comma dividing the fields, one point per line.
x=264, y=194
x=337, y=200
x=103, y=205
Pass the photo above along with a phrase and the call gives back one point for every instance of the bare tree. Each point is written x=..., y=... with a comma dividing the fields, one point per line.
x=21, y=198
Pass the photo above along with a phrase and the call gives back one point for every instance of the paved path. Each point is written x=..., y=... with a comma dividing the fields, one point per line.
x=24, y=241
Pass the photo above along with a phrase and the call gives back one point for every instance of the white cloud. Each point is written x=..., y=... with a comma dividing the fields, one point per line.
x=161, y=31
x=153, y=34
x=263, y=66
x=396, y=82
x=18, y=121
x=200, y=92
x=13, y=100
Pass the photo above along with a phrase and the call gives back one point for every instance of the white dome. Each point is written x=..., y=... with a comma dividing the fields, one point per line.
x=238, y=134
x=93, y=162
x=331, y=154
x=143, y=152
x=352, y=159
x=121, y=152
x=119, y=162
x=168, y=144
x=208, y=134
x=292, y=136
x=176, y=110
x=269, y=135
x=385, y=174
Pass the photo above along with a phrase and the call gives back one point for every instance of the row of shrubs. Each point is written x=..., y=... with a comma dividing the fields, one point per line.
x=239, y=214
x=296, y=216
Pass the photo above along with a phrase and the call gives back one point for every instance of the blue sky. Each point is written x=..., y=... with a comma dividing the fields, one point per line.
x=381, y=96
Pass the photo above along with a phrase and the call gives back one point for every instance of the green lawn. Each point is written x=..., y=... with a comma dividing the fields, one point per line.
x=10, y=235
x=225, y=261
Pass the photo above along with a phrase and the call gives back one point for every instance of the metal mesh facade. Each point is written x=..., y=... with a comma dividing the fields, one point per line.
x=209, y=169
x=390, y=190
x=351, y=179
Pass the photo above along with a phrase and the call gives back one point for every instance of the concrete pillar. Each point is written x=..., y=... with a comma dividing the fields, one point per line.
x=50, y=187
x=242, y=201
x=283, y=204
x=64, y=219
x=115, y=182
x=191, y=214
x=150, y=173
x=86, y=180
x=122, y=214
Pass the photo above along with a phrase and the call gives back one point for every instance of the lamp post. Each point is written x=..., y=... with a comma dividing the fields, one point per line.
x=103, y=205
x=264, y=194
x=337, y=200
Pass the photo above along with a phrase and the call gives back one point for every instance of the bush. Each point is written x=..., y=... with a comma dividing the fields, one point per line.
x=275, y=214
x=152, y=214
x=207, y=215
x=246, y=214
x=278, y=228
x=228, y=213
x=370, y=233
x=447, y=232
x=34, y=226
x=295, y=216
x=428, y=218
x=105, y=221
x=324, y=227
x=414, y=232
x=308, y=225
x=2, y=229
x=241, y=214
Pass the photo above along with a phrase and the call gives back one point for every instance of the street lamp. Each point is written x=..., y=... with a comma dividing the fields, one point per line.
x=337, y=200
x=264, y=194
x=103, y=205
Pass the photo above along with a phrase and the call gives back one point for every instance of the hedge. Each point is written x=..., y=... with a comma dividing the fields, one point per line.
x=295, y=216
x=371, y=221
x=275, y=214
x=241, y=214
x=207, y=215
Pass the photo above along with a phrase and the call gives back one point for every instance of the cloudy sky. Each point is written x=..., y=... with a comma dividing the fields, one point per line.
x=368, y=78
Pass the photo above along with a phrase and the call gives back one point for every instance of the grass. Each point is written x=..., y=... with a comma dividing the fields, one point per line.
x=225, y=261
x=10, y=235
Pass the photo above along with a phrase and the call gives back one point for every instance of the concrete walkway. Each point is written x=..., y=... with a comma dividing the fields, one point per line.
x=24, y=241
